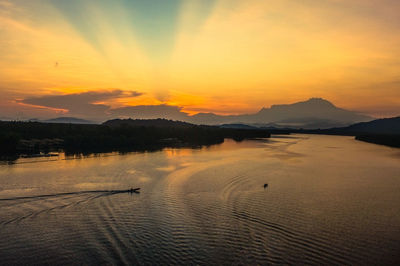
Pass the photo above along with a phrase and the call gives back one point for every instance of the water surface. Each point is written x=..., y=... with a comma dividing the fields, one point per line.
x=330, y=199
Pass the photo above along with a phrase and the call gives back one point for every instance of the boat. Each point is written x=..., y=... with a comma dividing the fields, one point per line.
x=134, y=190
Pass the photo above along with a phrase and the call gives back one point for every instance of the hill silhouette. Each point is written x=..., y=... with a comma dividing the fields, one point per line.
x=115, y=135
x=384, y=126
x=68, y=120
x=313, y=113
x=160, y=122
x=384, y=131
x=310, y=114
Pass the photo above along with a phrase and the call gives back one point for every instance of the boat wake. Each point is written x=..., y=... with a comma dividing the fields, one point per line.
x=33, y=206
x=105, y=192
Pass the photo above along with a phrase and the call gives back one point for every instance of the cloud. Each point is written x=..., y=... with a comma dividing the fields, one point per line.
x=93, y=105
x=87, y=104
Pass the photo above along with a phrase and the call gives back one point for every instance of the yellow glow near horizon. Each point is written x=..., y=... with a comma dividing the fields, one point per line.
x=237, y=57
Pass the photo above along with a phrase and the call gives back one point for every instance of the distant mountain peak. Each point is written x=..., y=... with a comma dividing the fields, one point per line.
x=68, y=120
x=312, y=102
x=311, y=113
x=314, y=113
x=316, y=100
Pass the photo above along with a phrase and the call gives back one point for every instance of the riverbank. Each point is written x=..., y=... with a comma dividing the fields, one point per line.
x=387, y=140
x=18, y=138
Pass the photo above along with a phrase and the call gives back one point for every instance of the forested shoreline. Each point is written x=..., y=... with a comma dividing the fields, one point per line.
x=17, y=138
x=387, y=140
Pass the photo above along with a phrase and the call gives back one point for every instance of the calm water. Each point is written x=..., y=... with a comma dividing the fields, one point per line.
x=330, y=200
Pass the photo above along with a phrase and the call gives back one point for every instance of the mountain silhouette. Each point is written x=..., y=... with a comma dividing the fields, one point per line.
x=384, y=131
x=67, y=120
x=313, y=113
x=157, y=123
x=384, y=126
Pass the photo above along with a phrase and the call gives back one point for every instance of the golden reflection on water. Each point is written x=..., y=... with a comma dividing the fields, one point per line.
x=330, y=199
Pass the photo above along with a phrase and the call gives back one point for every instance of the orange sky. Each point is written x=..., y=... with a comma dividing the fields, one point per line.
x=226, y=56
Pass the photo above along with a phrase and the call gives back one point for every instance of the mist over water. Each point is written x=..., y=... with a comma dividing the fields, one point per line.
x=330, y=199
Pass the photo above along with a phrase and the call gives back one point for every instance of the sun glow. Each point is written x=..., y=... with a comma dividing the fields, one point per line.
x=226, y=57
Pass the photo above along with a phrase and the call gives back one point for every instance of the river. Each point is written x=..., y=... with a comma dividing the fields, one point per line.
x=329, y=200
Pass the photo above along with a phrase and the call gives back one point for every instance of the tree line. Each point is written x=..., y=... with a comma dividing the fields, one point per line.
x=35, y=137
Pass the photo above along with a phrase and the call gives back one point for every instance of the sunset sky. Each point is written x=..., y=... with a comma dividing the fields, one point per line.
x=85, y=57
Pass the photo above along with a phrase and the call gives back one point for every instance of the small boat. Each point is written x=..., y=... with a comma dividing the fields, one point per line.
x=134, y=190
